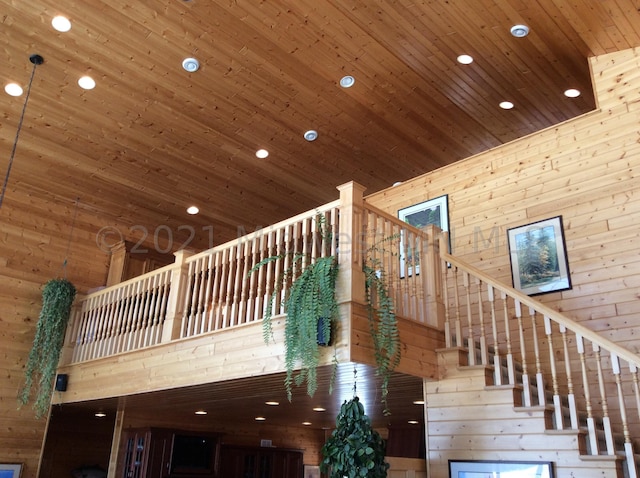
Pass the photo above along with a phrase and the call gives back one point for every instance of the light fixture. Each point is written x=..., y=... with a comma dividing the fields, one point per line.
x=319, y=409
x=99, y=414
x=347, y=81
x=465, y=59
x=413, y=422
x=86, y=83
x=193, y=210
x=201, y=412
x=190, y=64
x=60, y=23
x=418, y=402
x=260, y=419
x=506, y=105
x=572, y=93
x=13, y=89
x=519, y=31
x=311, y=135
x=272, y=403
x=262, y=153
x=397, y=183
x=306, y=424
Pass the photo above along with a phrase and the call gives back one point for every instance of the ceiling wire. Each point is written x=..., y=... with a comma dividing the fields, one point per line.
x=73, y=225
x=36, y=60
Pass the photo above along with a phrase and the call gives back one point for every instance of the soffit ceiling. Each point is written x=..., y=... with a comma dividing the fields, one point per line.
x=152, y=139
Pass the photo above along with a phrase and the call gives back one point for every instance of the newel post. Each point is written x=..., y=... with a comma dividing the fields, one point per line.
x=350, y=283
x=434, y=280
x=175, y=305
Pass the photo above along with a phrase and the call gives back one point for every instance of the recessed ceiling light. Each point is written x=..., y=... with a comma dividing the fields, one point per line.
x=13, y=89
x=413, y=422
x=260, y=419
x=190, y=64
x=506, y=105
x=319, y=409
x=201, y=412
x=465, y=59
x=519, y=31
x=262, y=153
x=60, y=23
x=347, y=81
x=397, y=183
x=311, y=135
x=306, y=424
x=193, y=210
x=87, y=83
x=100, y=414
x=418, y=402
x=572, y=93
x=273, y=403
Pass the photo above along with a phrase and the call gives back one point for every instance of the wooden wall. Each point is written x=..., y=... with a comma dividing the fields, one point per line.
x=585, y=170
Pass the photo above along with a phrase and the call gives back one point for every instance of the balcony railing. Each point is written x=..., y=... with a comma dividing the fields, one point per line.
x=214, y=290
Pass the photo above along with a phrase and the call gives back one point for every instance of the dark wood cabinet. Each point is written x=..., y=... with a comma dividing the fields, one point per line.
x=164, y=453
x=260, y=462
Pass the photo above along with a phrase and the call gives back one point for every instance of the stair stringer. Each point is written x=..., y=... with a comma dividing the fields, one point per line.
x=468, y=418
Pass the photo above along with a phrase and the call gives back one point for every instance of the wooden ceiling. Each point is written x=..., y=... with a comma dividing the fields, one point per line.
x=152, y=139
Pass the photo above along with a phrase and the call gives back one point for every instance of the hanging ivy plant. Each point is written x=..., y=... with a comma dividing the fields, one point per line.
x=57, y=299
x=354, y=449
x=383, y=324
x=311, y=308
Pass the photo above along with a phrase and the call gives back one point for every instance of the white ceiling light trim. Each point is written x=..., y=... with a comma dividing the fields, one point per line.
x=519, y=31
x=60, y=23
x=311, y=135
x=87, y=83
x=506, y=105
x=13, y=89
x=191, y=65
x=347, y=81
x=465, y=59
x=262, y=153
x=572, y=93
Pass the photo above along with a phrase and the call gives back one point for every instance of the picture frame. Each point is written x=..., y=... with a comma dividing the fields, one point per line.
x=311, y=471
x=434, y=211
x=539, y=263
x=10, y=470
x=500, y=469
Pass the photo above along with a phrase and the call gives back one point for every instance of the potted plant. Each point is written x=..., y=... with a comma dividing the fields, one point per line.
x=57, y=299
x=311, y=308
x=354, y=448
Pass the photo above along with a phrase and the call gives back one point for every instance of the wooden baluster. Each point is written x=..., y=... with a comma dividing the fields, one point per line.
x=526, y=382
x=216, y=294
x=484, y=353
x=573, y=413
x=542, y=399
x=448, y=339
x=207, y=309
x=413, y=285
x=334, y=231
x=636, y=386
x=230, y=257
x=261, y=288
x=129, y=298
x=497, y=362
x=237, y=284
x=81, y=341
x=628, y=446
x=166, y=291
x=117, y=308
x=269, y=279
x=557, y=405
x=135, y=324
x=190, y=302
x=606, y=419
x=104, y=320
x=200, y=311
x=140, y=316
x=280, y=270
x=253, y=279
x=511, y=369
x=459, y=339
x=244, y=311
x=149, y=292
x=307, y=237
x=152, y=310
x=591, y=424
x=471, y=341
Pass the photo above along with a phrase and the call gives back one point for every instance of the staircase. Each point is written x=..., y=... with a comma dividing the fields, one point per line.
x=536, y=385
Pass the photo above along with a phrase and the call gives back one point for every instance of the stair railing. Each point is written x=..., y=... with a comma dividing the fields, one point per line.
x=590, y=383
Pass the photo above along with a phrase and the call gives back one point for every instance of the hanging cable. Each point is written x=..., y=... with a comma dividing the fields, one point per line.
x=36, y=60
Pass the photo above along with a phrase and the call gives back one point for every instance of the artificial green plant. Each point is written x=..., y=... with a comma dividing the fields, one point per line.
x=57, y=299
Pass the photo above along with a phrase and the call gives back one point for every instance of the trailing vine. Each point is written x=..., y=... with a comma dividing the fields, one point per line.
x=383, y=324
x=57, y=299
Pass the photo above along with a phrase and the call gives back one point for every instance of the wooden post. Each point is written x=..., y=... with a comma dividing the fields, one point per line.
x=175, y=306
x=350, y=283
x=434, y=279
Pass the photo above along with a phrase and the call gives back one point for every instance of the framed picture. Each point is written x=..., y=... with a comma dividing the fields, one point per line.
x=311, y=471
x=500, y=469
x=434, y=211
x=538, y=255
x=10, y=470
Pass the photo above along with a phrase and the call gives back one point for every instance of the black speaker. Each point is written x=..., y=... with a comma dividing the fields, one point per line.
x=61, y=382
